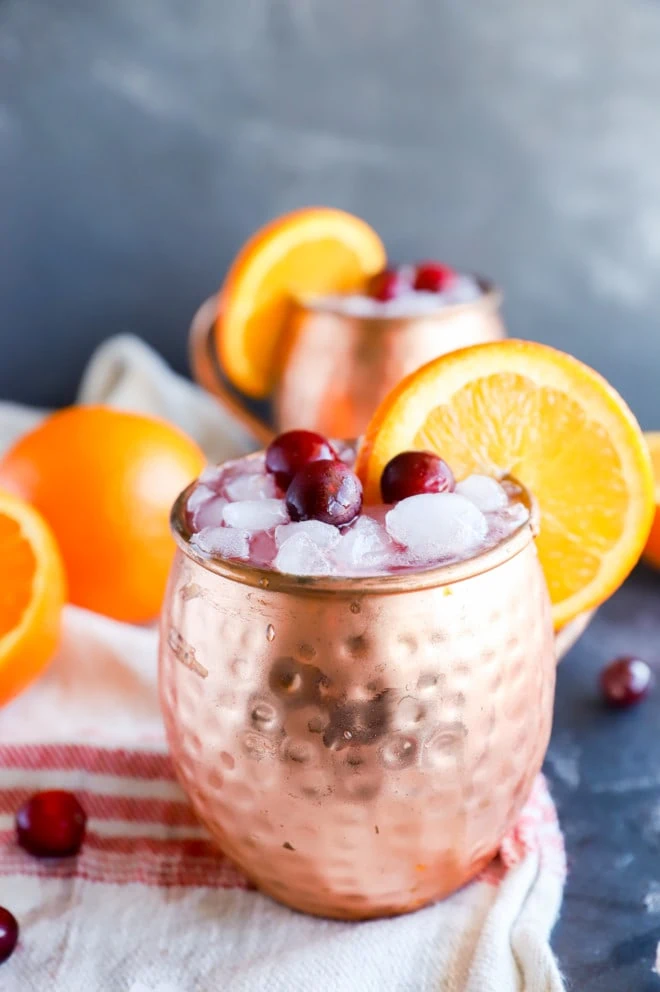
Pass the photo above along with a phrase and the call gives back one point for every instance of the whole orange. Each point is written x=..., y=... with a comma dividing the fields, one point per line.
x=105, y=481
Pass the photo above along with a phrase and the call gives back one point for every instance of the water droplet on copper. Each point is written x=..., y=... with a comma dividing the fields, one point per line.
x=263, y=715
x=398, y=752
x=355, y=607
x=264, y=582
x=348, y=736
x=270, y=633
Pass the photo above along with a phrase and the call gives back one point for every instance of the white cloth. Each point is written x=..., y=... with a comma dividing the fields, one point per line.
x=148, y=906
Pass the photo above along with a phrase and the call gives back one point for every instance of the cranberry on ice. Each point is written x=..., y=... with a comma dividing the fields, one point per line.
x=51, y=824
x=414, y=472
x=326, y=491
x=390, y=284
x=8, y=933
x=625, y=681
x=433, y=277
x=291, y=451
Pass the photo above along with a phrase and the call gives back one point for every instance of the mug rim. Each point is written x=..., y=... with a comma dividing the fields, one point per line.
x=491, y=298
x=259, y=577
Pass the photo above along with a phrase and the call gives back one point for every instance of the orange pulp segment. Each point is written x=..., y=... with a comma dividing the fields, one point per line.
x=32, y=593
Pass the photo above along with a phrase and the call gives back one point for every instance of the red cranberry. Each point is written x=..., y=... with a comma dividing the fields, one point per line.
x=293, y=450
x=51, y=824
x=433, y=277
x=625, y=681
x=8, y=933
x=326, y=491
x=390, y=284
x=415, y=472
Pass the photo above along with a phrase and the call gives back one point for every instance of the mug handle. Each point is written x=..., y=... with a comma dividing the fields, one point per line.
x=207, y=372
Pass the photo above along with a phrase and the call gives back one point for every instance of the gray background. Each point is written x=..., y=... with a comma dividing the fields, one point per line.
x=140, y=143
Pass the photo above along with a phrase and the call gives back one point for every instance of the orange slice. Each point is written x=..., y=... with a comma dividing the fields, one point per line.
x=32, y=591
x=317, y=251
x=524, y=409
x=652, y=550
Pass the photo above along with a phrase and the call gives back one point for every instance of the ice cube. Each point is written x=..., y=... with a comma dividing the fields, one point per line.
x=210, y=513
x=228, y=542
x=486, y=493
x=322, y=534
x=463, y=289
x=365, y=545
x=437, y=525
x=212, y=477
x=256, y=514
x=346, y=452
x=201, y=494
x=253, y=486
x=299, y=555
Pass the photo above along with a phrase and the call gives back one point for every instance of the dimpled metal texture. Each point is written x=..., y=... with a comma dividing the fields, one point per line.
x=358, y=754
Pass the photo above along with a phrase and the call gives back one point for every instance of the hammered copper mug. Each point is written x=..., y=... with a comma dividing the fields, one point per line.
x=358, y=746
x=336, y=368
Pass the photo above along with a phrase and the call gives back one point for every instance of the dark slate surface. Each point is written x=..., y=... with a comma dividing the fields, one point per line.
x=604, y=769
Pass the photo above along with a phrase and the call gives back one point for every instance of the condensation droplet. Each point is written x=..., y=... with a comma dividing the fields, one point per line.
x=355, y=607
x=270, y=633
x=348, y=736
x=263, y=715
x=264, y=582
x=398, y=752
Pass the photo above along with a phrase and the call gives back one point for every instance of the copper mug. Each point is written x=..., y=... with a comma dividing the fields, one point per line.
x=337, y=368
x=358, y=746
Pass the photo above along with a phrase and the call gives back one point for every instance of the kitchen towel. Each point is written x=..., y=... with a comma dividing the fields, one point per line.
x=149, y=905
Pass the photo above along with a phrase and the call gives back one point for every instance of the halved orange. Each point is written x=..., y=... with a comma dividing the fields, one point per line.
x=527, y=410
x=652, y=550
x=316, y=250
x=32, y=593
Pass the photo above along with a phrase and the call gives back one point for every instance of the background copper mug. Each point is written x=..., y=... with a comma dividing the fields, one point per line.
x=337, y=368
x=358, y=746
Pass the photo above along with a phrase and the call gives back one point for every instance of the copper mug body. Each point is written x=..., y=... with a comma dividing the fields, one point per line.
x=336, y=368
x=358, y=746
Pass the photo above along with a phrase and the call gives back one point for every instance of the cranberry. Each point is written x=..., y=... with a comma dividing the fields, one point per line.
x=415, y=472
x=390, y=284
x=51, y=824
x=292, y=450
x=8, y=933
x=326, y=491
x=433, y=277
x=625, y=681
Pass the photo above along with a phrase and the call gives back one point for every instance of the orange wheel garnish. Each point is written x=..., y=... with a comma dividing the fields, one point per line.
x=313, y=251
x=524, y=409
x=32, y=592
x=652, y=550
